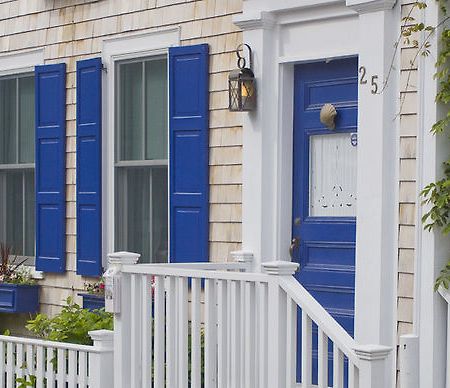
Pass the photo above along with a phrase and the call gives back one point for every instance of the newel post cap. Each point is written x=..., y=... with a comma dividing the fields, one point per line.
x=372, y=352
x=242, y=256
x=102, y=338
x=280, y=267
x=123, y=258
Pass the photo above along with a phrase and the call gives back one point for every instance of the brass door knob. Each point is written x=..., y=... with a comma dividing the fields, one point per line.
x=295, y=242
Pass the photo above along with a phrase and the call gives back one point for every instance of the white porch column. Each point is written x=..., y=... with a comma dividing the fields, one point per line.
x=259, y=139
x=377, y=188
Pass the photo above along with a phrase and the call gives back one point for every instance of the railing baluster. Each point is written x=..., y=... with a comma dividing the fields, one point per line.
x=235, y=307
x=159, y=375
x=306, y=350
x=9, y=365
x=146, y=299
x=250, y=334
x=353, y=378
x=82, y=368
x=195, y=335
x=72, y=372
x=171, y=335
x=40, y=367
x=51, y=367
x=2, y=363
x=20, y=362
x=322, y=359
x=261, y=291
x=135, y=343
x=222, y=316
x=210, y=334
x=182, y=293
x=30, y=360
x=291, y=342
x=338, y=367
x=242, y=340
x=61, y=373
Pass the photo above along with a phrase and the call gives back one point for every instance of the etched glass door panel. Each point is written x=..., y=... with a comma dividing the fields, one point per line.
x=332, y=175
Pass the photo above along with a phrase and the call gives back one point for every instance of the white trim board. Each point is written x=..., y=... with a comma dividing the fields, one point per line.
x=21, y=61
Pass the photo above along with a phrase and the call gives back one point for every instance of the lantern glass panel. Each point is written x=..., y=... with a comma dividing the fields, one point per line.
x=234, y=94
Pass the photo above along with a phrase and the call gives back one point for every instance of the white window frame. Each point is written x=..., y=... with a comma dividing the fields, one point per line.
x=18, y=64
x=132, y=46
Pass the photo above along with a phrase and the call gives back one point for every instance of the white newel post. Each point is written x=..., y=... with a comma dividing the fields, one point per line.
x=277, y=322
x=373, y=365
x=118, y=302
x=101, y=361
x=245, y=257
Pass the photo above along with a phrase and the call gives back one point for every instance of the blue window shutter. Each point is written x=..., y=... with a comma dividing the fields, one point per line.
x=189, y=172
x=50, y=170
x=89, y=167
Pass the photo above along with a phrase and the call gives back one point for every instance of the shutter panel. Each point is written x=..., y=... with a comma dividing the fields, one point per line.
x=189, y=172
x=89, y=167
x=50, y=167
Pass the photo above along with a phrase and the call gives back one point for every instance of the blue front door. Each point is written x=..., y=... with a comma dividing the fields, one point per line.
x=324, y=185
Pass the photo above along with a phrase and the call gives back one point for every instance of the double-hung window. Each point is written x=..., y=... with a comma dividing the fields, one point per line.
x=17, y=197
x=141, y=158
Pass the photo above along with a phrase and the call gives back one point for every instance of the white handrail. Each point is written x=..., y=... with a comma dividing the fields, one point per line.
x=321, y=317
x=166, y=270
x=48, y=344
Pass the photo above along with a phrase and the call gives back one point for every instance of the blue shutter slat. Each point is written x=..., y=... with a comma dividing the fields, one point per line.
x=89, y=174
x=50, y=167
x=189, y=172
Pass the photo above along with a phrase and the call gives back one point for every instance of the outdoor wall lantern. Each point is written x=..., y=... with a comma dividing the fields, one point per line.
x=241, y=84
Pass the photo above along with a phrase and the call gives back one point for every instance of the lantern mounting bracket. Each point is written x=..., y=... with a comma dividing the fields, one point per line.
x=242, y=62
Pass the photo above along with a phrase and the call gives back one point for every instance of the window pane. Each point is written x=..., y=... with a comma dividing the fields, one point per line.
x=156, y=109
x=14, y=211
x=29, y=214
x=8, y=130
x=159, y=215
x=130, y=108
x=133, y=210
x=332, y=176
x=26, y=120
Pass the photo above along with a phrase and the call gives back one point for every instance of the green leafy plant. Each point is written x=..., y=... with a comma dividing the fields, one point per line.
x=71, y=325
x=11, y=270
x=24, y=382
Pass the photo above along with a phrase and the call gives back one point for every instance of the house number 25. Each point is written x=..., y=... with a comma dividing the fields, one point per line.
x=363, y=80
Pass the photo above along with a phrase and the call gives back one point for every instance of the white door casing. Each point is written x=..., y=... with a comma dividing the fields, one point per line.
x=280, y=35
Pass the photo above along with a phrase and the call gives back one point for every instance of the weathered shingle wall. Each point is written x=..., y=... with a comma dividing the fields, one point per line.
x=71, y=30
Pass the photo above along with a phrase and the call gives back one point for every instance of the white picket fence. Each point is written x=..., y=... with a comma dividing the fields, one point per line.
x=446, y=295
x=216, y=325
x=56, y=364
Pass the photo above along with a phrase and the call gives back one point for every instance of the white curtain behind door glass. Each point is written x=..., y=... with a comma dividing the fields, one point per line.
x=332, y=176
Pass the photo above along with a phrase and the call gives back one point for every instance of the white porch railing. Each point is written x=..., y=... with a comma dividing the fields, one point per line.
x=215, y=325
x=446, y=295
x=57, y=364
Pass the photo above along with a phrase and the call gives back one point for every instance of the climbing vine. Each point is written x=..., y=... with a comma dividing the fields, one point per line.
x=436, y=194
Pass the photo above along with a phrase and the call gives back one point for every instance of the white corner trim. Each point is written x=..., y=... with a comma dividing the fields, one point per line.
x=255, y=20
x=366, y=6
x=21, y=61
